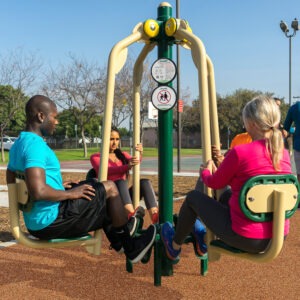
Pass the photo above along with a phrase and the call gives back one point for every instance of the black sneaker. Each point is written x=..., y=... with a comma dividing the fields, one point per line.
x=142, y=244
x=139, y=212
x=133, y=225
x=117, y=246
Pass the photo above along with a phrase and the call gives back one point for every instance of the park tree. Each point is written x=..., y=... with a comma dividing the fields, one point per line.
x=18, y=74
x=190, y=116
x=123, y=101
x=229, y=113
x=12, y=116
x=123, y=95
x=78, y=87
x=147, y=87
x=230, y=110
x=66, y=125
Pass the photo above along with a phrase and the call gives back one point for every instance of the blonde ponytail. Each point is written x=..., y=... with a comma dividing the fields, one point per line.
x=265, y=113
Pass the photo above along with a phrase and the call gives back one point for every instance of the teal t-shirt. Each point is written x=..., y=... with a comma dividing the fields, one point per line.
x=31, y=151
x=293, y=117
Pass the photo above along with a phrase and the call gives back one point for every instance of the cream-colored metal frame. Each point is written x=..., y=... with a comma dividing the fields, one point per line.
x=207, y=92
x=18, y=194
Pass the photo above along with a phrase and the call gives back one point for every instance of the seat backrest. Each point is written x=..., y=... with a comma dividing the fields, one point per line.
x=256, y=197
x=22, y=192
x=22, y=195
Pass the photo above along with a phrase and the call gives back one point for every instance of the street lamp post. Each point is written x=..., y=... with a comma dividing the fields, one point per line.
x=285, y=30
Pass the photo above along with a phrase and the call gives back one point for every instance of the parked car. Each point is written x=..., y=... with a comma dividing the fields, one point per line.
x=97, y=140
x=87, y=141
x=7, y=142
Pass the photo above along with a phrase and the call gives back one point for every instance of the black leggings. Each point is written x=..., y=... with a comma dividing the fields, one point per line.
x=146, y=192
x=216, y=216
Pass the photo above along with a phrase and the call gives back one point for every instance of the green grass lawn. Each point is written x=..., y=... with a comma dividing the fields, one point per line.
x=77, y=154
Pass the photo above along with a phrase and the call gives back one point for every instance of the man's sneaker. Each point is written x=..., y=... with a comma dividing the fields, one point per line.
x=139, y=212
x=167, y=234
x=142, y=244
x=117, y=246
x=133, y=225
x=198, y=232
x=113, y=238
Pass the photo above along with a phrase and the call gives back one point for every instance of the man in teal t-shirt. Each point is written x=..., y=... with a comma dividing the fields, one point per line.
x=82, y=207
x=31, y=151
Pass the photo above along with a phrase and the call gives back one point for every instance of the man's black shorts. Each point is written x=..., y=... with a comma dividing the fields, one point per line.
x=77, y=217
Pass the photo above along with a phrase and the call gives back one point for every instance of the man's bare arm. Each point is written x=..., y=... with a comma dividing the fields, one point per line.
x=38, y=189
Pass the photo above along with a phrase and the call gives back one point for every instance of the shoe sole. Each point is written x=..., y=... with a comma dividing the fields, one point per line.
x=197, y=251
x=147, y=256
x=145, y=250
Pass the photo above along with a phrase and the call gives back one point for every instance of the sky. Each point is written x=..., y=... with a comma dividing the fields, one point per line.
x=242, y=37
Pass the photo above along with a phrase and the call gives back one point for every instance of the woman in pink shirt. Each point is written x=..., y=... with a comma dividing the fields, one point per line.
x=265, y=155
x=119, y=165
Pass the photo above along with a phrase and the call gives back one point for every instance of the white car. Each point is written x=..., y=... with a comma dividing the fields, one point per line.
x=87, y=141
x=7, y=142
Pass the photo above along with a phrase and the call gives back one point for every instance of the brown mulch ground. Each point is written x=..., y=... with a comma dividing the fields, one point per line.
x=72, y=273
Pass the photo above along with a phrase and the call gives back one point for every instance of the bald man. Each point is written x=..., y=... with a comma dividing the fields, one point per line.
x=70, y=209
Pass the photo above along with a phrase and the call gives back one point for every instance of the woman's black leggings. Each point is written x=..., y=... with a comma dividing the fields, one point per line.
x=146, y=192
x=216, y=216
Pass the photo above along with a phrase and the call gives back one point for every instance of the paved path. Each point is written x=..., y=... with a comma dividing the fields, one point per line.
x=188, y=164
x=149, y=166
x=3, y=196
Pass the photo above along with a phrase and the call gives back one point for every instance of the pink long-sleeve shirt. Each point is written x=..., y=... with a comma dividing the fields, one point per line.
x=116, y=170
x=241, y=163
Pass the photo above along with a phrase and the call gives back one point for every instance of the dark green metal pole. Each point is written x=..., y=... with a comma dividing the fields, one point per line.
x=165, y=139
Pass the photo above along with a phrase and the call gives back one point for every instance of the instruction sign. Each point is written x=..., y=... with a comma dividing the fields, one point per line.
x=164, y=97
x=163, y=70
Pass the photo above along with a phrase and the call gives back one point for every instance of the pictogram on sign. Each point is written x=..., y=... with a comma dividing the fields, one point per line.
x=163, y=97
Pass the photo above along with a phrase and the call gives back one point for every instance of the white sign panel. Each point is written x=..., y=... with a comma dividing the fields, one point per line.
x=152, y=112
x=163, y=70
x=164, y=97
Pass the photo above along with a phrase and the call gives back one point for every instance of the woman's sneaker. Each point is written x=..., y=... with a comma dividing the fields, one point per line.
x=198, y=233
x=135, y=220
x=167, y=234
x=139, y=212
x=142, y=244
x=133, y=225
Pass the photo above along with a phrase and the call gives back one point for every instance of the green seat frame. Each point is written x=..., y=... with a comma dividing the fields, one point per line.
x=264, y=198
